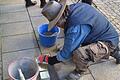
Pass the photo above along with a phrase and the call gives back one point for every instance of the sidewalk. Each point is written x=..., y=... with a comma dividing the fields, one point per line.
x=19, y=37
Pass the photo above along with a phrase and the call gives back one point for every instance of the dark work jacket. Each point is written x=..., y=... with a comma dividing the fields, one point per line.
x=101, y=28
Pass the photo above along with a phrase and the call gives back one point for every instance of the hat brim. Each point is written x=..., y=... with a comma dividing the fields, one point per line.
x=54, y=21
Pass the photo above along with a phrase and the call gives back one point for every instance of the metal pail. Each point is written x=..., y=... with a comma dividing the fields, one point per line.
x=28, y=67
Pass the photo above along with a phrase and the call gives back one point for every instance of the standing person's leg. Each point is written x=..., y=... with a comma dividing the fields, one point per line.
x=42, y=4
x=30, y=3
x=54, y=0
x=87, y=1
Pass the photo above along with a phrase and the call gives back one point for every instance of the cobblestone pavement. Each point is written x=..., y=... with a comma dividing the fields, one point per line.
x=19, y=37
x=111, y=9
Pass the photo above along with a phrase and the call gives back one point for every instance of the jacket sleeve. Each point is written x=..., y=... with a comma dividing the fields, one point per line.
x=74, y=36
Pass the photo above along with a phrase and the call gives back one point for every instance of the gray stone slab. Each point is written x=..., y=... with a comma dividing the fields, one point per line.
x=0, y=42
x=86, y=77
x=16, y=28
x=10, y=57
x=0, y=31
x=52, y=73
x=12, y=8
x=106, y=71
x=36, y=21
x=52, y=50
x=0, y=36
x=14, y=17
x=35, y=10
x=19, y=42
x=63, y=69
x=0, y=56
x=0, y=77
x=12, y=1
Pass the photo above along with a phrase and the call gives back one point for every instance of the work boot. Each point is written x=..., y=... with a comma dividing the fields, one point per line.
x=74, y=75
x=116, y=55
x=43, y=3
x=30, y=3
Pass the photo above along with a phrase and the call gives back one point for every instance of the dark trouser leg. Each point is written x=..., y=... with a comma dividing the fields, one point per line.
x=54, y=0
x=93, y=52
x=79, y=60
x=87, y=1
x=116, y=55
x=43, y=2
x=29, y=3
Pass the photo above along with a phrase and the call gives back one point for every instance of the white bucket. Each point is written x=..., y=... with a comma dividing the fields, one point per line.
x=28, y=67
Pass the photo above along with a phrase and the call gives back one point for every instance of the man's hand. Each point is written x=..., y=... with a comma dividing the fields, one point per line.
x=42, y=59
x=46, y=59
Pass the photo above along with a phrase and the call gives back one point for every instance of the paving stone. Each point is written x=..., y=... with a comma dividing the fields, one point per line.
x=106, y=71
x=16, y=28
x=35, y=10
x=0, y=37
x=12, y=2
x=10, y=57
x=54, y=49
x=0, y=77
x=0, y=68
x=0, y=31
x=0, y=42
x=19, y=42
x=0, y=56
x=14, y=17
x=116, y=20
x=86, y=77
x=36, y=21
x=63, y=69
x=12, y=8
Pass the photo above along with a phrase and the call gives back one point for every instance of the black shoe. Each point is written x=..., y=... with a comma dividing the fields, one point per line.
x=30, y=4
x=73, y=76
x=116, y=55
x=87, y=1
x=42, y=5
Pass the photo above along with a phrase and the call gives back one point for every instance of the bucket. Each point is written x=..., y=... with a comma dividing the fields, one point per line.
x=47, y=40
x=28, y=67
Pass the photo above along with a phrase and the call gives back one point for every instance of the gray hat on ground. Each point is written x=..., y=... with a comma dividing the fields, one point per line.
x=53, y=11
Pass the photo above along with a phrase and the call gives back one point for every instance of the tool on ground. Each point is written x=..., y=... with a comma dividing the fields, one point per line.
x=21, y=74
x=23, y=69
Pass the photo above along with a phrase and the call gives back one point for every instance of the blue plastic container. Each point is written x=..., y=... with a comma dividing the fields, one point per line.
x=47, y=41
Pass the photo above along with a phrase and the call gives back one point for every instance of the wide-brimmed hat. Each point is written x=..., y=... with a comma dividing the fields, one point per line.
x=53, y=11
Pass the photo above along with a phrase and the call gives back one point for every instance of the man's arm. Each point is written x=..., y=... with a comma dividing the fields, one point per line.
x=73, y=38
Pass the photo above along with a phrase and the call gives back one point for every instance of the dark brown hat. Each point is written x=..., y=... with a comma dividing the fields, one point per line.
x=53, y=11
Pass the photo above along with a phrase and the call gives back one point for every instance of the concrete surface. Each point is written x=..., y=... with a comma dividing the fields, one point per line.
x=19, y=38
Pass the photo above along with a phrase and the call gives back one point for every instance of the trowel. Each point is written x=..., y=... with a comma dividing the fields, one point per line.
x=21, y=74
